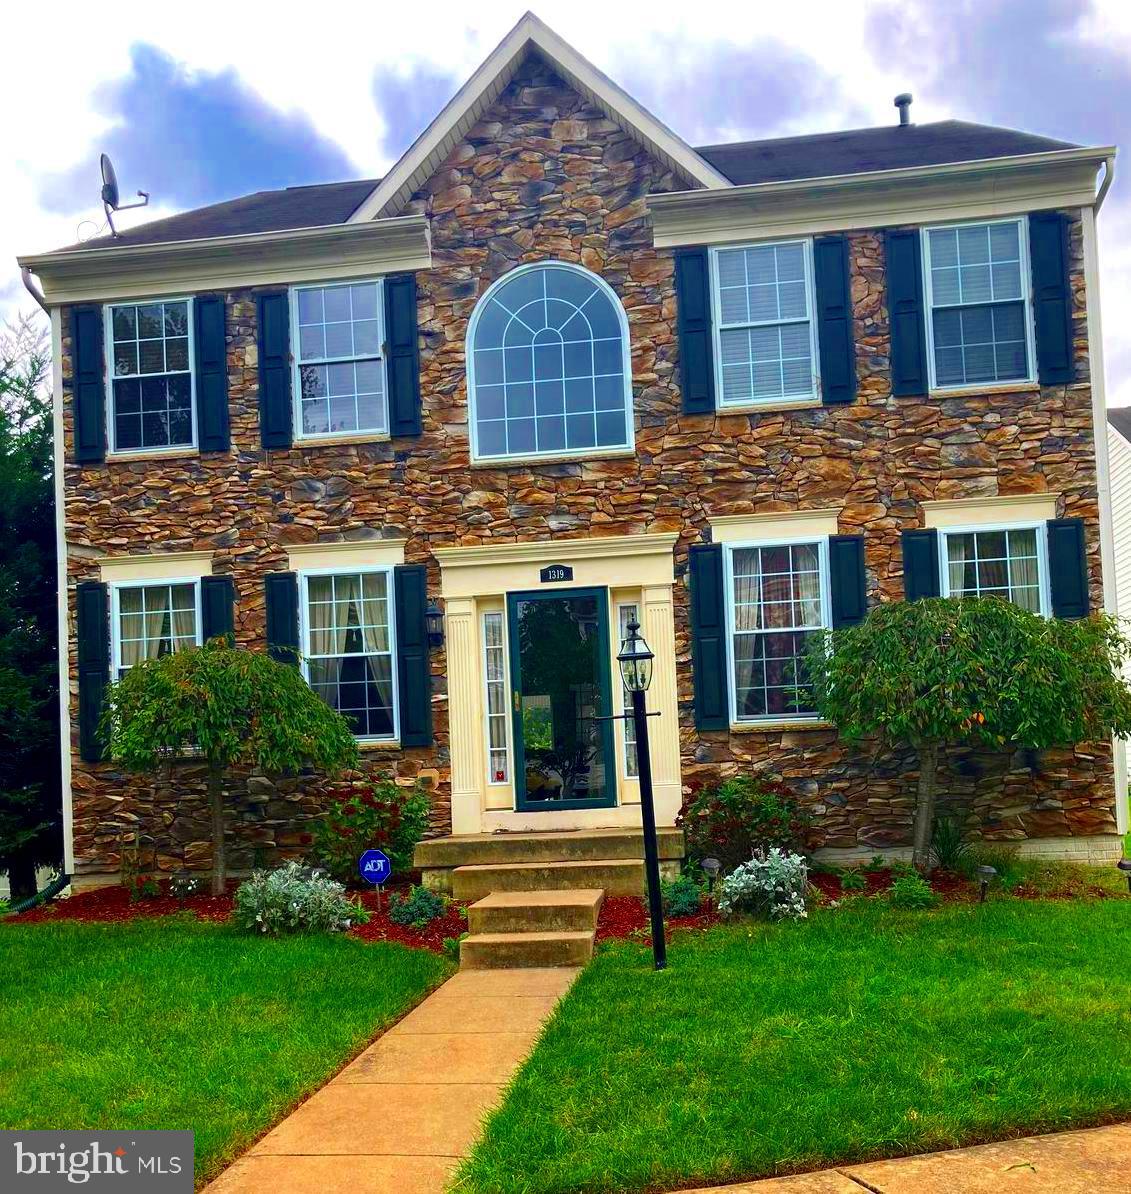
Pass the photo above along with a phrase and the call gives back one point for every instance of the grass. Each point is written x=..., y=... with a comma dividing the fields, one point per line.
x=862, y=1033
x=173, y=1023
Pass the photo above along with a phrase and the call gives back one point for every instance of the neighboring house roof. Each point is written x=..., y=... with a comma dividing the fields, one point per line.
x=1120, y=418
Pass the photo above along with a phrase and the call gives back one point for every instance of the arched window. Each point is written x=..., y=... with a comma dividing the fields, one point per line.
x=548, y=365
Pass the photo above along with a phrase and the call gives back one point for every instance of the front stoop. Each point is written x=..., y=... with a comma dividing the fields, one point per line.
x=619, y=876
x=531, y=928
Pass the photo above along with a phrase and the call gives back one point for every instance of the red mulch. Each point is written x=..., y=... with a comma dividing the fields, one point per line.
x=112, y=904
x=381, y=928
x=946, y=884
x=627, y=916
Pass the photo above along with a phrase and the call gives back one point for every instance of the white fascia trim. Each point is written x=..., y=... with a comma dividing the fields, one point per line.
x=460, y=113
x=64, y=629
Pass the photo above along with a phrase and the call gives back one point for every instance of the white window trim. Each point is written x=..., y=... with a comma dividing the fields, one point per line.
x=304, y=631
x=110, y=377
x=626, y=698
x=1022, y=223
x=116, y=587
x=598, y=450
x=814, y=394
x=822, y=542
x=507, y=719
x=985, y=527
x=301, y=436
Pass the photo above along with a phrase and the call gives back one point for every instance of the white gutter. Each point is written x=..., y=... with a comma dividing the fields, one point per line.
x=1105, y=185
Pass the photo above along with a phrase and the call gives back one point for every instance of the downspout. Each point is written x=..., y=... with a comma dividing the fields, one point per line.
x=1105, y=185
x=41, y=897
x=33, y=289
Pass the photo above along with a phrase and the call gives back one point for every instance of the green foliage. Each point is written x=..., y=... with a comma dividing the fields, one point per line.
x=682, y=896
x=911, y=892
x=451, y=946
x=950, y=669
x=948, y=846
x=382, y=816
x=734, y=819
x=853, y=880
x=292, y=900
x=876, y=863
x=1004, y=859
x=418, y=907
x=227, y=704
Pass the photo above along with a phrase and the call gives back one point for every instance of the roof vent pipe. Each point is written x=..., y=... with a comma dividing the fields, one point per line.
x=903, y=103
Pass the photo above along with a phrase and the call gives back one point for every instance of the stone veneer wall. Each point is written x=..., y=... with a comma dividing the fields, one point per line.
x=543, y=175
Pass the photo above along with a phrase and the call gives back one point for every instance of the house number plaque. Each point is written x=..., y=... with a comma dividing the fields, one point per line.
x=554, y=574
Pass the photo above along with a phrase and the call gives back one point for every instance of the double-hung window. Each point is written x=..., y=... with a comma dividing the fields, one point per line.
x=153, y=620
x=149, y=347
x=778, y=600
x=338, y=335
x=348, y=633
x=1007, y=562
x=765, y=338
x=978, y=295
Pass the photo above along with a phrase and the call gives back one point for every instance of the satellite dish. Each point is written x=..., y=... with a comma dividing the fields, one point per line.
x=111, y=199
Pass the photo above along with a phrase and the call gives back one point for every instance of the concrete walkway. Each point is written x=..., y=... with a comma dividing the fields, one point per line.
x=401, y=1115
x=1097, y=1161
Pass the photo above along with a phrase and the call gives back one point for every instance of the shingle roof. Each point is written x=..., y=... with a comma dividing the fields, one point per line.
x=1120, y=418
x=782, y=158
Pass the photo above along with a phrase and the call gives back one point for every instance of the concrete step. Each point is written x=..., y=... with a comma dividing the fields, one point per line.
x=491, y=951
x=536, y=911
x=613, y=876
x=574, y=845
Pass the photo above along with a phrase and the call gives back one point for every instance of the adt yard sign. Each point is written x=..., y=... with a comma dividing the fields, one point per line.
x=374, y=867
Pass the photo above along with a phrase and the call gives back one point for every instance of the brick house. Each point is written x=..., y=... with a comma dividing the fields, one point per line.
x=557, y=371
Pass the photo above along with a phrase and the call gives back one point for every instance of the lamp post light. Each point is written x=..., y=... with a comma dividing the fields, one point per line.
x=1124, y=864
x=711, y=868
x=986, y=875
x=635, y=661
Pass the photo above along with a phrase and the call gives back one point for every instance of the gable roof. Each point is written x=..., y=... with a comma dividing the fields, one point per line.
x=1120, y=418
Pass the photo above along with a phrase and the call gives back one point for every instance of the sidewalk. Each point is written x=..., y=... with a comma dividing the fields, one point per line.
x=1097, y=1161
x=402, y=1114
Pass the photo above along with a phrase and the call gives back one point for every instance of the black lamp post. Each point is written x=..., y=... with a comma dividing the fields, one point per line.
x=1124, y=865
x=636, y=671
x=986, y=875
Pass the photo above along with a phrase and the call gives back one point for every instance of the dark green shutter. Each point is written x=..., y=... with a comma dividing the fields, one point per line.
x=1052, y=297
x=275, y=419
x=904, y=279
x=1068, y=568
x=693, y=318
x=402, y=354
x=211, y=373
x=834, y=320
x=92, y=610
x=920, y=564
x=414, y=673
x=89, y=375
x=217, y=602
x=281, y=591
x=847, y=586
x=708, y=637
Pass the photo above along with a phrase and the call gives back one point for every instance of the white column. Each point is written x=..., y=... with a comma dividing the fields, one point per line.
x=663, y=731
x=464, y=714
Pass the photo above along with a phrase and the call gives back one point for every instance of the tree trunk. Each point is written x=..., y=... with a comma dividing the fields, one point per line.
x=216, y=807
x=21, y=877
x=925, y=805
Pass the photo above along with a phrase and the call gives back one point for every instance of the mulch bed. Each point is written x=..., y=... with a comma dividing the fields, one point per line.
x=947, y=885
x=380, y=928
x=627, y=917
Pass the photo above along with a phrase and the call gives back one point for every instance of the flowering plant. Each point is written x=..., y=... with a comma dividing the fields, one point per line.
x=770, y=885
x=381, y=815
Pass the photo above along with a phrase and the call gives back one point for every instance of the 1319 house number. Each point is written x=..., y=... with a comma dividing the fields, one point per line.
x=555, y=574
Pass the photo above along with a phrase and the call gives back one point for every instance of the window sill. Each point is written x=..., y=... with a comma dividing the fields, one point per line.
x=152, y=454
x=758, y=408
x=778, y=725
x=997, y=387
x=332, y=441
x=367, y=744
x=563, y=458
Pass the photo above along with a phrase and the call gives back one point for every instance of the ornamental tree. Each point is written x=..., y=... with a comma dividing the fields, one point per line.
x=230, y=707
x=944, y=671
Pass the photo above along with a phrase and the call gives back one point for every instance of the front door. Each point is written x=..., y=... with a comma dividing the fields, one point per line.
x=560, y=677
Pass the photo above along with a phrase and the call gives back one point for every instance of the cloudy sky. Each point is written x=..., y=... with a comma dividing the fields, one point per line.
x=210, y=101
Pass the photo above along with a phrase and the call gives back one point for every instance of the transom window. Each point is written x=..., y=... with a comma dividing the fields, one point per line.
x=548, y=366
x=348, y=647
x=150, y=353
x=340, y=371
x=1006, y=562
x=764, y=337
x=154, y=620
x=978, y=296
x=495, y=684
x=777, y=602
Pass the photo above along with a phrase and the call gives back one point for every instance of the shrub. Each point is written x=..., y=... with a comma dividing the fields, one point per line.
x=383, y=816
x=184, y=885
x=911, y=891
x=740, y=817
x=853, y=880
x=418, y=907
x=294, y=900
x=682, y=896
x=772, y=886
x=948, y=846
x=876, y=863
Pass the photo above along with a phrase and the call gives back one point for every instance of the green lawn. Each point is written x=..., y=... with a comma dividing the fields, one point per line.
x=863, y=1033
x=176, y=1024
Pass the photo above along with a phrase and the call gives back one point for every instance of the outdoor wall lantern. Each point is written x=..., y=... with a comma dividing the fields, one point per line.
x=635, y=661
x=986, y=875
x=1124, y=864
x=434, y=622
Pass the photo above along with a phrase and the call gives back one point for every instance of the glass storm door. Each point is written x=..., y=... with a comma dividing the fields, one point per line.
x=560, y=678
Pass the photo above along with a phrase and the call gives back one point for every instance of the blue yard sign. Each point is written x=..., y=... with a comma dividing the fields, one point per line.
x=374, y=867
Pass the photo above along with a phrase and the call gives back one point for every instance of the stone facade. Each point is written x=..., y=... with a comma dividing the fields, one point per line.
x=543, y=175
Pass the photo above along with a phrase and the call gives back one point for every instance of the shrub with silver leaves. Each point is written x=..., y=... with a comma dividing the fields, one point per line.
x=770, y=885
x=293, y=899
